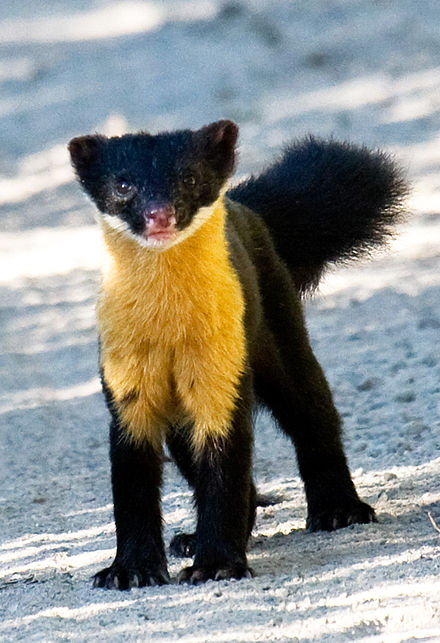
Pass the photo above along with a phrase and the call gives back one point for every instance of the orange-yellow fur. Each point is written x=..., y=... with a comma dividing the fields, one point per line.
x=172, y=336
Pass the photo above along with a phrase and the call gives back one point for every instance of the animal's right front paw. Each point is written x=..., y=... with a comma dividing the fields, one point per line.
x=119, y=576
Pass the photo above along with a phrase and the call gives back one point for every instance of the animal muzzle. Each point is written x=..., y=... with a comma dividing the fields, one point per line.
x=160, y=220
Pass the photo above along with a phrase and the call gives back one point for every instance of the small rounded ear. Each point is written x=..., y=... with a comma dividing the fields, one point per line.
x=85, y=150
x=219, y=140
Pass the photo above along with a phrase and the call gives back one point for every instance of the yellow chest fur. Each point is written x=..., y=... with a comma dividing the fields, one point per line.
x=171, y=330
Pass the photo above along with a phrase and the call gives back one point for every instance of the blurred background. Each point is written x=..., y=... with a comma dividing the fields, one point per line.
x=368, y=71
x=363, y=70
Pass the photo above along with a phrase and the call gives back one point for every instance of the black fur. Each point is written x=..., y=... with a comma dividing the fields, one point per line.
x=225, y=517
x=323, y=202
x=136, y=478
x=184, y=168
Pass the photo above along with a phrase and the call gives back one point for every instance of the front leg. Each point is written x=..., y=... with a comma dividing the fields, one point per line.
x=136, y=477
x=222, y=492
x=182, y=451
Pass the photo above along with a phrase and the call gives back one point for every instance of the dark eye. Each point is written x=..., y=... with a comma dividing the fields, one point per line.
x=124, y=188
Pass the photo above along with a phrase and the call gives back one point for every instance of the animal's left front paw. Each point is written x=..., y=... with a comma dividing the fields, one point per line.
x=332, y=518
x=195, y=575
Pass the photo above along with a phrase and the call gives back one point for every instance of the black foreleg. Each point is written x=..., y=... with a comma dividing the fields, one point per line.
x=223, y=490
x=136, y=477
x=179, y=444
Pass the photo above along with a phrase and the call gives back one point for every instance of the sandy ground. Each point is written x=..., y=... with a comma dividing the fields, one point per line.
x=366, y=71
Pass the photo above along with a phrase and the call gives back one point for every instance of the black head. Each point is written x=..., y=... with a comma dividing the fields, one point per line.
x=155, y=184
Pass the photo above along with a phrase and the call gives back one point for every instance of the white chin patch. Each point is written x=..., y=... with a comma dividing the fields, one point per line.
x=115, y=223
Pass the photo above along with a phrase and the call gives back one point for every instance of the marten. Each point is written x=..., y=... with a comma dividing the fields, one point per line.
x=200, y=321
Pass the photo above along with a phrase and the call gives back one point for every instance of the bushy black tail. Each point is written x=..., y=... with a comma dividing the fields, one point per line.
x=325, y=202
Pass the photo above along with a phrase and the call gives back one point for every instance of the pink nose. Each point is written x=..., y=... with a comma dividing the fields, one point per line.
x=160, y=215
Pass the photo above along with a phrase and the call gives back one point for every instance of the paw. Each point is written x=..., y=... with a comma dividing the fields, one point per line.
x=183, y=545
x=121, y=577
x=337, y=517
x=196, y=575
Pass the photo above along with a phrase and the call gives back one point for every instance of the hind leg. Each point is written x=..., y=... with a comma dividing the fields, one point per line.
x=179, y=444
x=290, y=381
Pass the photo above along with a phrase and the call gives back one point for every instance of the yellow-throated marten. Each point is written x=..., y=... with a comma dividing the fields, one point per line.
x=200, y=319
